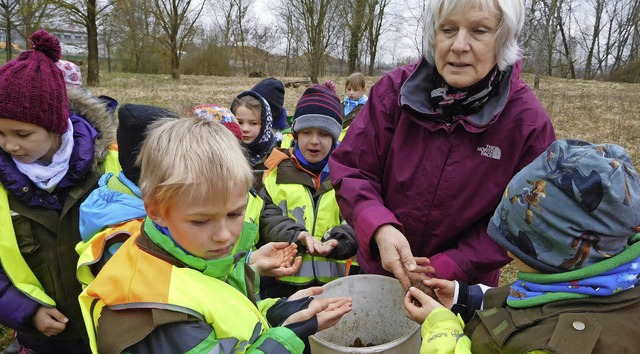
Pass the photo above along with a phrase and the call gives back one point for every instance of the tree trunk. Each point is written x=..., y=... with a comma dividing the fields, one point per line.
x=8, y=44
x=93, y=65
x=175, y=61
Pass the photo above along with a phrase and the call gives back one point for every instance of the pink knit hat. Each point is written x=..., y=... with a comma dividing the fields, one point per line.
x=32, y=89
x=71, y=72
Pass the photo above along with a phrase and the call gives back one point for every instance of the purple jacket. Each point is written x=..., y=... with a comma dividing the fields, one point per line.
x=438, y=183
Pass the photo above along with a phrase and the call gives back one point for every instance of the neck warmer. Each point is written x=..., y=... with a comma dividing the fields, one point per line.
x=452, y=102
x=604, y=278
x=80, y=164
x=315, y=168
x=46, y=177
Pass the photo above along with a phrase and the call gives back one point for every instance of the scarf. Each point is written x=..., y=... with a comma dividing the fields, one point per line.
x=318, y=168
x=219, y=268
x=604, y=278
x=266, y=140
x=80, y=164
x=452, y=102
x=47, y=177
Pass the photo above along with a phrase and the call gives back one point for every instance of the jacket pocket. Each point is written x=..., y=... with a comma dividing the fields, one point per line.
x=27, y=242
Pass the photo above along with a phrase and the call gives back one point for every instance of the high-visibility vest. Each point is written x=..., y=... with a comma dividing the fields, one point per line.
x=255, y=205
x=11, y=259
x=297, y=202
x=13, y=263
x=93, y=250
x=134, y=278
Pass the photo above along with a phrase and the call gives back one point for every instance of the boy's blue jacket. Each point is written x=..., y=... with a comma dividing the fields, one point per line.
x=106, y=206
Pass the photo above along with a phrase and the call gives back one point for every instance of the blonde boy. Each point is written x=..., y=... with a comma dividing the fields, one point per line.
x=180, y=285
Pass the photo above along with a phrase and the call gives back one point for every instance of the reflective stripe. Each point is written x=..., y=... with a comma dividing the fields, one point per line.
x=272, y=347
x=233, y=317
x=296, y=202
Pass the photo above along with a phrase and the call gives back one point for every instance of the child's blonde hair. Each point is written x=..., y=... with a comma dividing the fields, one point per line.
x=187, y=152
x=249, y=102
x=356, y=81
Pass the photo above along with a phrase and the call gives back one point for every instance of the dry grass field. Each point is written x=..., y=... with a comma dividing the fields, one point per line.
x=589, y=110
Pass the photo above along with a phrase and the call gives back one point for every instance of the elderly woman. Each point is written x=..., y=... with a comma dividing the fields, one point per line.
x=424, y=164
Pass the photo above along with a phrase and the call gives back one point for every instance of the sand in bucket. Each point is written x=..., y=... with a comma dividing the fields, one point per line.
x=377, y=318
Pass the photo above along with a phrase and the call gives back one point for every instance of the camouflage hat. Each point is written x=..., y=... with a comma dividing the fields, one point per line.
x=576, y=204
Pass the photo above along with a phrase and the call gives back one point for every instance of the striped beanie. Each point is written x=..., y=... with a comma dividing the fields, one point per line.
x=319, y=107
x=32, y=89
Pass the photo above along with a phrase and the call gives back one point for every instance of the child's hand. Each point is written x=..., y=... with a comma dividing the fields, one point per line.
x=276, y=259
x=49, y=321
x=315, y=247
x=328, y=311
x=444, y=289
x=418, y=305
x=314, y=290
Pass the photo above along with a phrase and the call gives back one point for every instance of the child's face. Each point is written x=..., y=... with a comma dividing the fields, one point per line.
x=250, y=124
x=354, y=94
x=315, y=144
x=201, y=223
x=27, y=142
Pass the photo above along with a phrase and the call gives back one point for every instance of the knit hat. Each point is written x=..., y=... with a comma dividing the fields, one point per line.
x=319, y=107
x=272, y=90
x=220, y=114
x=71, y=73
x=32, y=89
x=575, y=205
x=133, y=122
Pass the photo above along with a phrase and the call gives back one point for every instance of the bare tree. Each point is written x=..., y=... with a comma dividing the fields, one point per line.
x=375, y=20
x=317, y=32
x=177, y=19
x=292, y=35
x=87, y=13
x=8, y=13
x=134, y=29
x=355, y=23
x=32, y=16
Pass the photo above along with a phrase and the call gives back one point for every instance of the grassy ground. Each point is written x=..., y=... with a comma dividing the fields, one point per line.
x=589, y=110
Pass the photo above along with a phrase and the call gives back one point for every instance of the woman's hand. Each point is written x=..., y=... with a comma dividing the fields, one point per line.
x=276, y=259
x=314, y=246
x=328, y=311
x=418, y=305
x=49, y=321
x=395, y=253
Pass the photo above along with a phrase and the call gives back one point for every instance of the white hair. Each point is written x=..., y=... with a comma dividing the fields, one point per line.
x=510, y=12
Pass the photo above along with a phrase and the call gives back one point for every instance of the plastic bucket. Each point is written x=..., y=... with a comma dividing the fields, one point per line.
x=377, y=318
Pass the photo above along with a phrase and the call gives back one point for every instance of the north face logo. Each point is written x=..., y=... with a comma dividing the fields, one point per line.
x=490, y=151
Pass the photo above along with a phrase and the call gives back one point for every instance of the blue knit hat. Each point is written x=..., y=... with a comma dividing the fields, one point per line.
x=272, y=90
x=319, y=107
x=576, y=204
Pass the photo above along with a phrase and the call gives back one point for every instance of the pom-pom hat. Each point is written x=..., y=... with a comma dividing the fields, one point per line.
x=32, y=88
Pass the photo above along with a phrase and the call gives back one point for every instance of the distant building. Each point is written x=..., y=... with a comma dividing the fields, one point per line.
x=73, y=40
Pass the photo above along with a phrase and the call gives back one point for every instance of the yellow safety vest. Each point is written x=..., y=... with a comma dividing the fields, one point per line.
x=12, y=261
x=287, y=141
x=255, y=205
x=296, y=200
x=92, y=251
x=134, y=278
